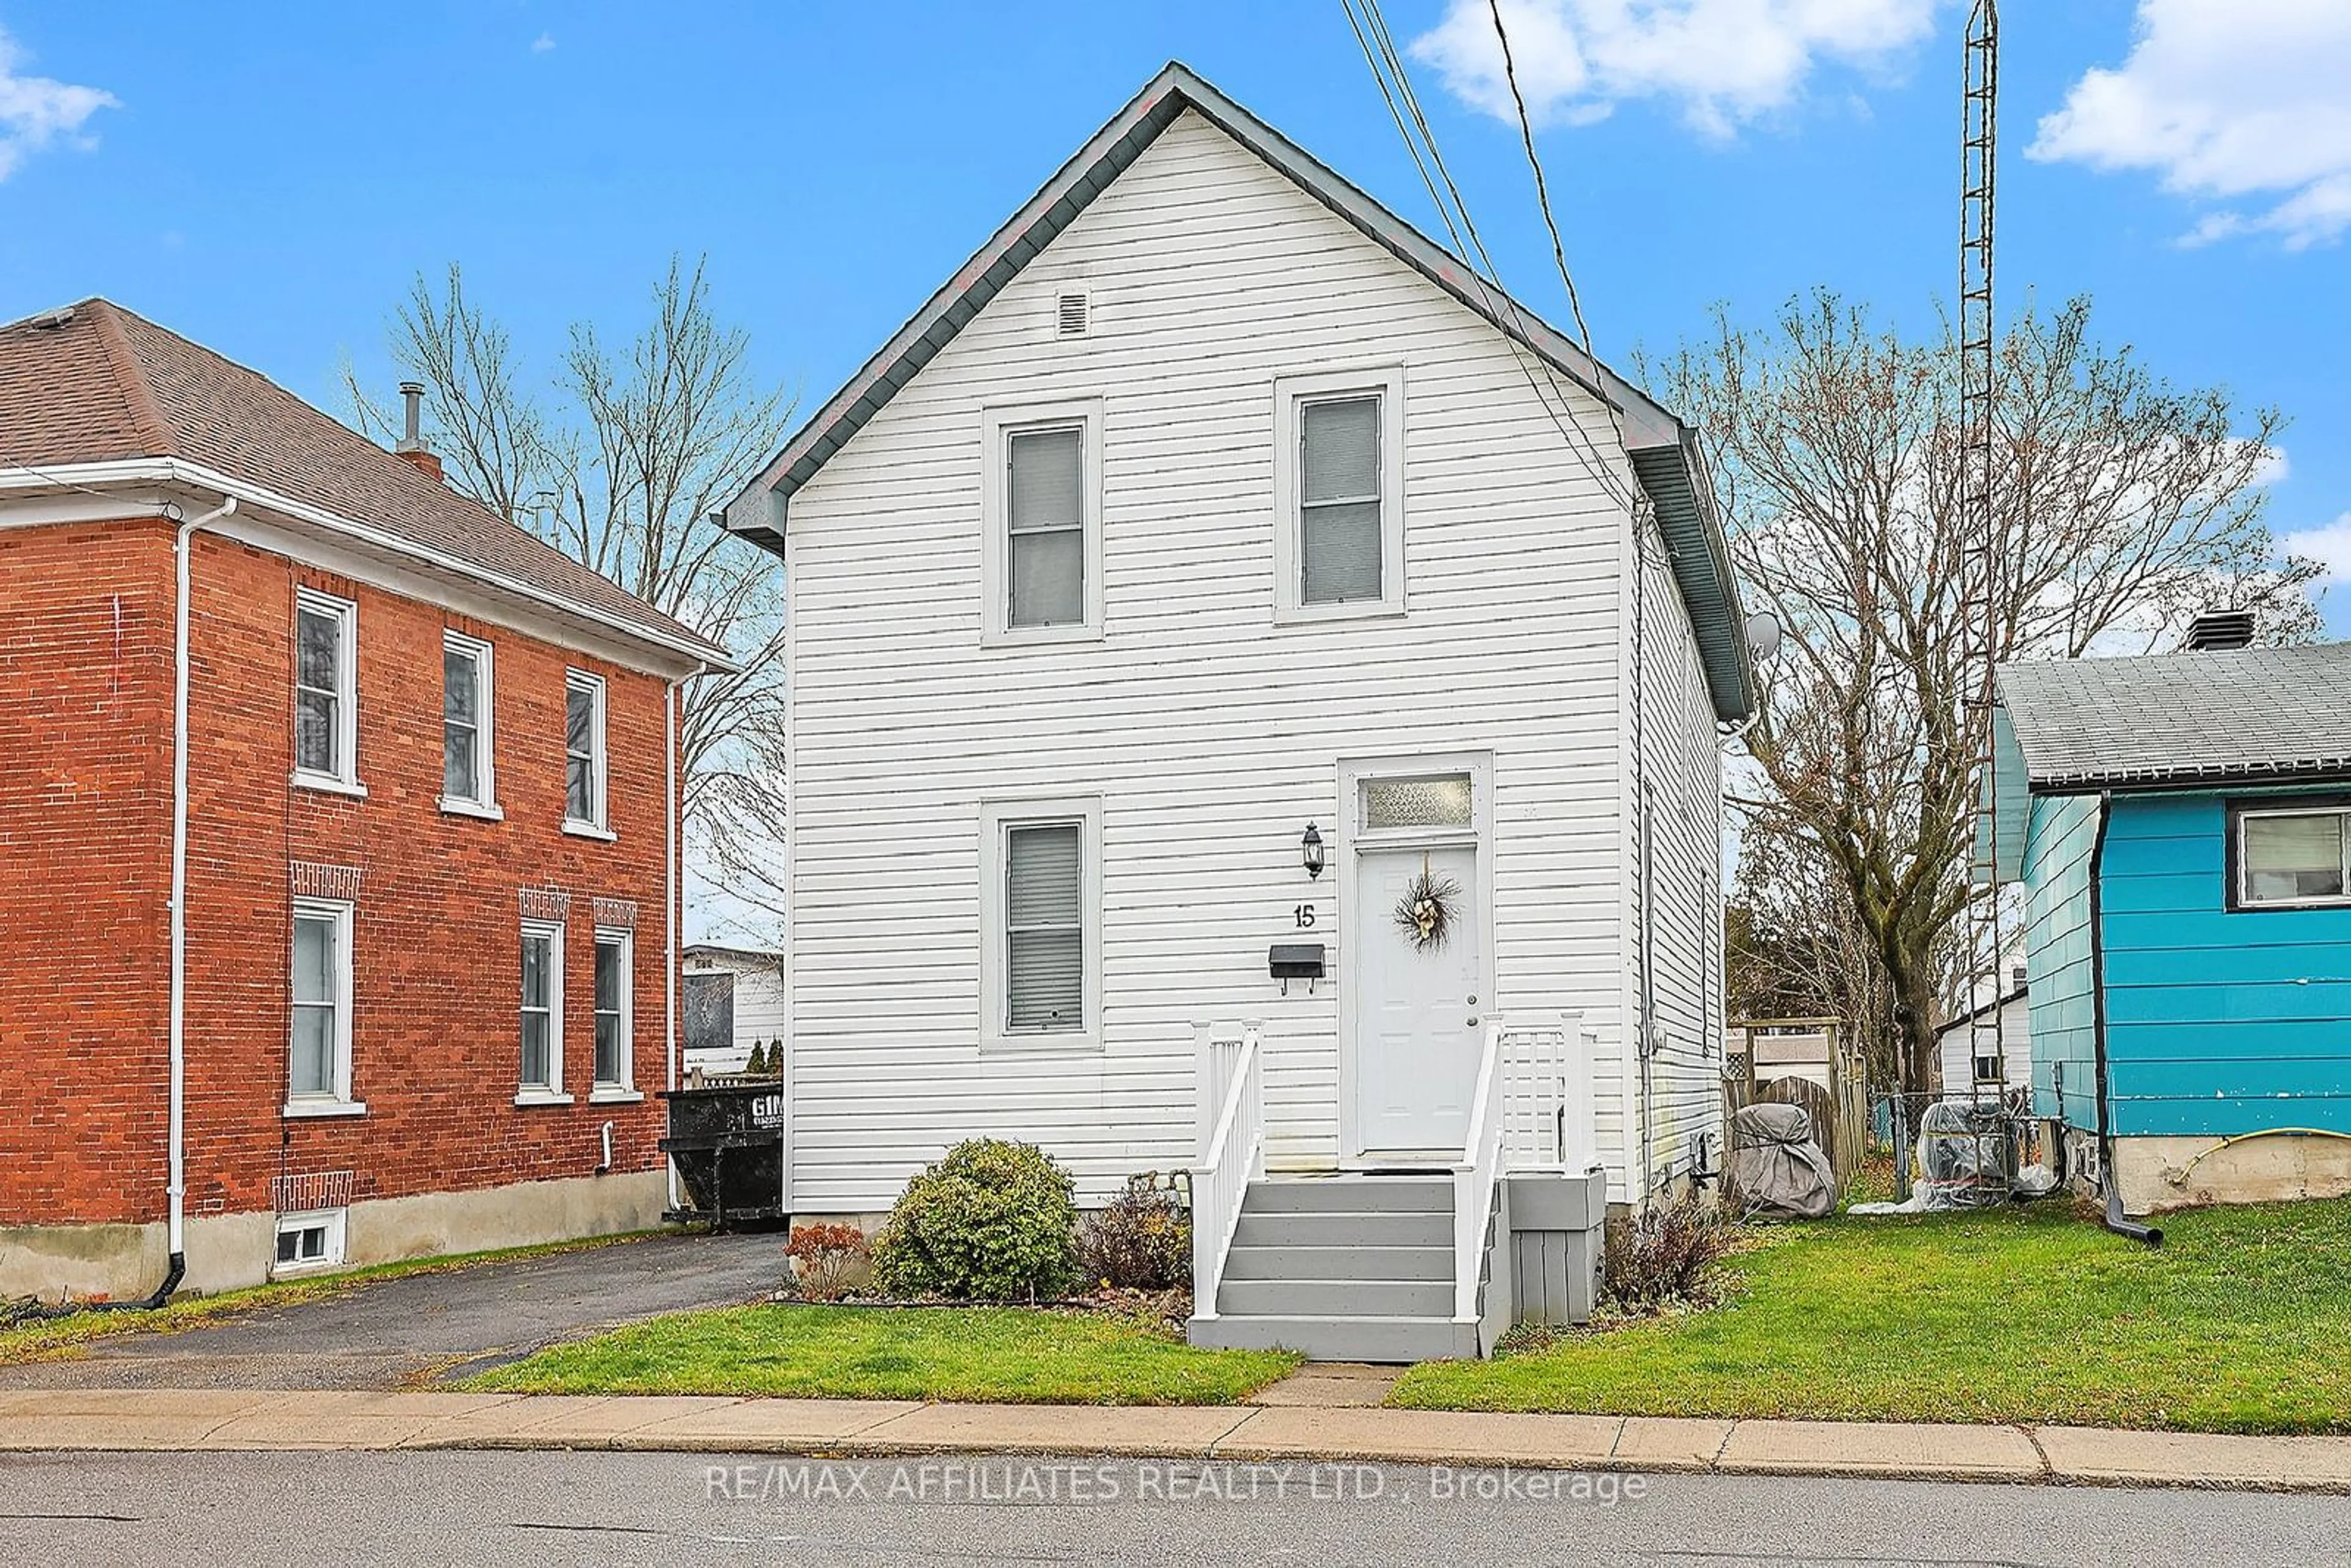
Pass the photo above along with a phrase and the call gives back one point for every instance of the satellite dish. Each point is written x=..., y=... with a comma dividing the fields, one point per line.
x=1763, y=634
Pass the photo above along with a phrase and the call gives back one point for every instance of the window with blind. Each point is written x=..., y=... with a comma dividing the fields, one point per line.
x=1045, y=473
x=1045, y=938
x=1041, y=519
x=465, y=724
x=1041, y=962
x=1339, y=534
x=1338, y=482
x=2293, y=857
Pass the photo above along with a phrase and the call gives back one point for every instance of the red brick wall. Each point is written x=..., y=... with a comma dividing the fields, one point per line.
x=85, y=869
x=436, y=971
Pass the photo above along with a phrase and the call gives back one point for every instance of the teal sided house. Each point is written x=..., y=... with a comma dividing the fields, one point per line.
x=2182, y=829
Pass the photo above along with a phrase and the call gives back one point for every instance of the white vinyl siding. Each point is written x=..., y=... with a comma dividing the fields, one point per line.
x=326, y=691
x=1208, y=727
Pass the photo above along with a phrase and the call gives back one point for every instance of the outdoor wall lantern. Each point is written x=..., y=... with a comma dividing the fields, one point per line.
x=1310, y=846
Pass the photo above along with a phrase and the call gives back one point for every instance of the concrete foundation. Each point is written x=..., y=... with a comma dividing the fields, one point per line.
x=227, y=1251
x=2158, y=1174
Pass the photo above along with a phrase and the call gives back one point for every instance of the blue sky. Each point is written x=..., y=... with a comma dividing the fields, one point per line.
x=267, y=178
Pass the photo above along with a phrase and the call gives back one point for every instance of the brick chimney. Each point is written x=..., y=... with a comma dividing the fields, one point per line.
x=412, y=448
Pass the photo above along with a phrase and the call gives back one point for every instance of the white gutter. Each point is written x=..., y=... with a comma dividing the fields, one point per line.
x=671, y=896
x=179, y=471
x=176, y=1187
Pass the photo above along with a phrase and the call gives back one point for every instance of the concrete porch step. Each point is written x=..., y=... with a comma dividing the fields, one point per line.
x=1351, y=1195
x=1373, y=1339
x=1297, y=1298
x=1306, y=1261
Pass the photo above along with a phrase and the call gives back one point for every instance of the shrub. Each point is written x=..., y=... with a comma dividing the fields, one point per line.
x=993, y=1221
x=1143, y=1241
x=1664, y=1255
x=756, y=1067
x=825, y=1258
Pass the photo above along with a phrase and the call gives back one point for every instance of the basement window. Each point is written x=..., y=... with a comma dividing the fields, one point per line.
x=310, y=1241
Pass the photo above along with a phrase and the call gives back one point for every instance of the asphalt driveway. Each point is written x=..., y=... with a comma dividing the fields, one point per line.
x=399, y=1332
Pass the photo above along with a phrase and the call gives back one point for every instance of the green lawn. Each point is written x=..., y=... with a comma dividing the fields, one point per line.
x=992, y=1354
x=51, y=1339
x=2239, y=1322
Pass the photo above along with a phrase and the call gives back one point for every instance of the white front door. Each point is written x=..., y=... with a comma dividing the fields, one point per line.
x=1417, y=1007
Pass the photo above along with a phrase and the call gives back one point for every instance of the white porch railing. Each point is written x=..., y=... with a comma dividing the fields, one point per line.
x=1232, y=1153
x=1532, y=1110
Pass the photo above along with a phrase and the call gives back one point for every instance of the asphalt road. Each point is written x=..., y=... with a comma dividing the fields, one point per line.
x=459, y=1508
x=390, y=1332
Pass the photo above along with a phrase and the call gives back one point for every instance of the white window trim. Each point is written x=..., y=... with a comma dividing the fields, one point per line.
x=484, y=802
x=600, y=773
x=551, y=1092
x=998, y=425
x=1290, y=394
x=347, y=692
x=623, y=1088
x=329, y=1220
x=996, y=818
x=337, y=1102
x=2244, y=889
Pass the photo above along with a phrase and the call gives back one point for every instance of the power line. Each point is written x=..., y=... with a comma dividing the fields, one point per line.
x=1379, y=52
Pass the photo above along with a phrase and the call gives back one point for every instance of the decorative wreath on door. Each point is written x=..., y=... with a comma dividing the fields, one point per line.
x=1426, y=911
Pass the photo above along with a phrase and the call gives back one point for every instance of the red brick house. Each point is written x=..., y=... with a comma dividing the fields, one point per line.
x=338, y=836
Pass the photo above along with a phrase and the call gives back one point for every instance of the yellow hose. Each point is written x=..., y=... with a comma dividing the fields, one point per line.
x=2179, y=1176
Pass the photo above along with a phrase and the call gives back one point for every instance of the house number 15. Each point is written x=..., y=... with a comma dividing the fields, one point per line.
x=1304, y=914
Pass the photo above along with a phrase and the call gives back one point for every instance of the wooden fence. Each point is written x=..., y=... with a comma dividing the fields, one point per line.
x=1806, y=1062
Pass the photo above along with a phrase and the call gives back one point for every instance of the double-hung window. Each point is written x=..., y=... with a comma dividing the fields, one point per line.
x=613, y=1009
x=326, y=692
x=1041, y=965
x=2289, y=856
x=319, y=1064
x=542, y=1012
x=1042, y=505
x=583, y=753
x=466, y=780
x=1338, y=495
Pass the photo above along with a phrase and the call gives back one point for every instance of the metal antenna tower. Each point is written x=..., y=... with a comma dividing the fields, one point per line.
x=1979, y=517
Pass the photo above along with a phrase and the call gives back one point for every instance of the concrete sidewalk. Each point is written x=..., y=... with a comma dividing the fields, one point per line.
x=208, y=1419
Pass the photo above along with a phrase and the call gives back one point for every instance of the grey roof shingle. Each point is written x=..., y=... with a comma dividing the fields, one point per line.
x=105, y=385
x=2248, y=713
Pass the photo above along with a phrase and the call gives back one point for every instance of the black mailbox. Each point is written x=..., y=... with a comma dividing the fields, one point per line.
x=1297, y=961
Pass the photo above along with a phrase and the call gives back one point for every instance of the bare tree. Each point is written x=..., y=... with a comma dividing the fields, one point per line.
x=617, y=459
x=2122, y=506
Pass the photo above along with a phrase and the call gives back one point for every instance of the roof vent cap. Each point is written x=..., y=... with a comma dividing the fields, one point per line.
x=2217, y=630
x=63, y=315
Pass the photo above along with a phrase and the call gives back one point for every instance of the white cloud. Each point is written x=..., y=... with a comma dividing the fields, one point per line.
x=543, y=43
x=1723, y=62
x=2239, y=103
x=35, y=111
x=2329, y=544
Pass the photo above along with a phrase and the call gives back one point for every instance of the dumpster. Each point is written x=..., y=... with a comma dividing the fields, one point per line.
x=729, y=1143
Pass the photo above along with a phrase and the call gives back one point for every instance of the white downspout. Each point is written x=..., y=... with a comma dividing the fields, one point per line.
x=176, y=1184
x=671, y=896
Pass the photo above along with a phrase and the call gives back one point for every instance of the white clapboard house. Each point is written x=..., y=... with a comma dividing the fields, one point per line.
x=1210, y=560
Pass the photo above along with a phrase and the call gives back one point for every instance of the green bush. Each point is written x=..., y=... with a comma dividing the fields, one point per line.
x=1141, y=1242
x=993, y=1221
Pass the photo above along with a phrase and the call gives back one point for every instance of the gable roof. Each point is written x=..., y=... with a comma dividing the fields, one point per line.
x=1663, y=450
x=2238, y=715
x=98, y=384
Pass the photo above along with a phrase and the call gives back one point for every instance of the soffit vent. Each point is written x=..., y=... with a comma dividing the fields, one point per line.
x=1069, y=314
